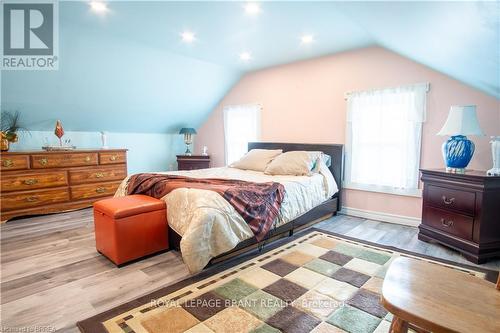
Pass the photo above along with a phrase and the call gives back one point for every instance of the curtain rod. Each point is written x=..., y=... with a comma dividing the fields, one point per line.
x=247, y=104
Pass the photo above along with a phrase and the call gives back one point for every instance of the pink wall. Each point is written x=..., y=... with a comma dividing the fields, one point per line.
x=304, y=102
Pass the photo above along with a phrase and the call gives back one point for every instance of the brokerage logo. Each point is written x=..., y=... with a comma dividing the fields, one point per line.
x=30, y=35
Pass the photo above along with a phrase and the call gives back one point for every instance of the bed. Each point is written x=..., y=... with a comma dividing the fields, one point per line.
x=206, y=228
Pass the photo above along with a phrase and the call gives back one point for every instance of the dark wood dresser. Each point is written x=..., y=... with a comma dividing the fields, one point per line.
x=462, y=211
x=193, y=162
x=39, y=182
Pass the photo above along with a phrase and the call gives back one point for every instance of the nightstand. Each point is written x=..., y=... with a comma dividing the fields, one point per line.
x=462, y=211
x=193, y=162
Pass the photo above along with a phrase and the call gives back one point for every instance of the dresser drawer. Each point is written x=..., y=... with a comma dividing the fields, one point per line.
x=14, y=162
x=449, y=222
x=99, y=174
x=44, y=161
x=112, y=157
x=93, y=190
x=450, y=199
x=18, y=200
x=33, y=180
x=193, y=165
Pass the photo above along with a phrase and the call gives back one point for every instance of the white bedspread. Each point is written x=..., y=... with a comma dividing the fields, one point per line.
x=210, y=226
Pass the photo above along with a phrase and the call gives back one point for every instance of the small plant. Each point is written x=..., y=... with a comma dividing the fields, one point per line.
x=10, y=127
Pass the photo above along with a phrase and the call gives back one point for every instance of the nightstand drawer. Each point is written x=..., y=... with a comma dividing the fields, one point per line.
x=451, y=223
x=450, y=199
x=193, y=162
x=192, y=165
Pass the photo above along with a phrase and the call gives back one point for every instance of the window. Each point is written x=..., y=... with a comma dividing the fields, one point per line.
x=241, y=126
x=384, y=131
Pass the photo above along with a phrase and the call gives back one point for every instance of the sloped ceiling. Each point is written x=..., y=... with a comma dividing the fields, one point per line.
x=460, y=39
x=129, y=71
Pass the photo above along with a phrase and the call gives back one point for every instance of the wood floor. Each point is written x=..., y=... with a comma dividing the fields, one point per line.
x=52, y=276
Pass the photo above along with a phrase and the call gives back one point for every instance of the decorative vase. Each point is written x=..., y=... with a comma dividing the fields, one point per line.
x=4, y=142
x=457, y=153
x=104, y=140
x=59, y=131
x=495, y=152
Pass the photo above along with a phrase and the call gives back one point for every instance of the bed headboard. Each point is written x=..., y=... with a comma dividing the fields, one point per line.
x=336, y=151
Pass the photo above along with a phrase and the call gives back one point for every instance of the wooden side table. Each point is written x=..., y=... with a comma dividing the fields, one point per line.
x=436, y=298
x=193, y=162
x=462, y=211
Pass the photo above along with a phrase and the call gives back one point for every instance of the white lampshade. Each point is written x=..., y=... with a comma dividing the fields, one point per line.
x=462, y=120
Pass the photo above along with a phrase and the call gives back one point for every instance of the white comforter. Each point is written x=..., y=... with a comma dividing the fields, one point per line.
x=210, y=226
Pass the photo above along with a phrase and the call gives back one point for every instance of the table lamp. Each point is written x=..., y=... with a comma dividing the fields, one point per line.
x=188, y=138
x=458, y=150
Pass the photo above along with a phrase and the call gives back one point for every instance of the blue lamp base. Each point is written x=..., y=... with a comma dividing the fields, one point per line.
x=457, y=153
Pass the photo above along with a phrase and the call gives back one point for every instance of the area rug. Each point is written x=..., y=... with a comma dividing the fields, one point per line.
x=315, y=282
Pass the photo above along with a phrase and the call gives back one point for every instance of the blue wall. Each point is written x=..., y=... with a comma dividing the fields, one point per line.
x=108, y=82
x=141, y=94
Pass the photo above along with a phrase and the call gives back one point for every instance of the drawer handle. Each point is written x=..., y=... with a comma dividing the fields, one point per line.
x=447, y=201
x=446, y=224
x=31, y=181
x=100, y=190
x=87, y=159
x=7, y=163
x=43, y=161
x=113, y=158
x=32, y=199
x=99, y=175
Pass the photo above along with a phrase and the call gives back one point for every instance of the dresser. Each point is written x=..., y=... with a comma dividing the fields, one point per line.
x=462, y=211
x=193, y=162
x=39, y=182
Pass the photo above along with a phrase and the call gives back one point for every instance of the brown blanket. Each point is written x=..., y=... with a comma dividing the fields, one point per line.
x=257, y=203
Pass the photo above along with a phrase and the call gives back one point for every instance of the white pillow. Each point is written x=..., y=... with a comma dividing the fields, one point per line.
x=294, y=163
x=256, y=159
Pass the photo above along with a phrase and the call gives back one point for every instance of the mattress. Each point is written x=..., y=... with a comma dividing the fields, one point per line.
x=210, y=226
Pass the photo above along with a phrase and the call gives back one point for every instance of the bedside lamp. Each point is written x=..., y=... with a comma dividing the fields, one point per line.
x=188, y=138
x=458, y=150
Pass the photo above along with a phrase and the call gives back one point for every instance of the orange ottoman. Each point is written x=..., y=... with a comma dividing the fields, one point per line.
x=130, y=227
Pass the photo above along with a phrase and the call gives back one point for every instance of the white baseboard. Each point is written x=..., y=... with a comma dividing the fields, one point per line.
x=378, y=216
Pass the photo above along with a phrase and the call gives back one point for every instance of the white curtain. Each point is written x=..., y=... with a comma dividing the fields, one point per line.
x=384, y=129
x=241, y=126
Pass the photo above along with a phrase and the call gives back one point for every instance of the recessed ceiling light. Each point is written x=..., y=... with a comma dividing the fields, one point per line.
x=188, y=37
x=252, y=8
x=245, y=56
x=99, y=7
x=307, y=39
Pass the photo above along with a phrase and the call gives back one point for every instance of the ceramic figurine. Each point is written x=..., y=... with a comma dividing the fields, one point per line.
x=495, y=152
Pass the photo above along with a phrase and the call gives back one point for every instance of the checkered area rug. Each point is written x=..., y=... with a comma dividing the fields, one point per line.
x=317, y=283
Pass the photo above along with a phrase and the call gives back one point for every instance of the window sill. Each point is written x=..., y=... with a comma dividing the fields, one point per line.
x=417, y=193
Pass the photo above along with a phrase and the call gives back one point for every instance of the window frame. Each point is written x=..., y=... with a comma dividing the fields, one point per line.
x=226, y=109
x=411, y=192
